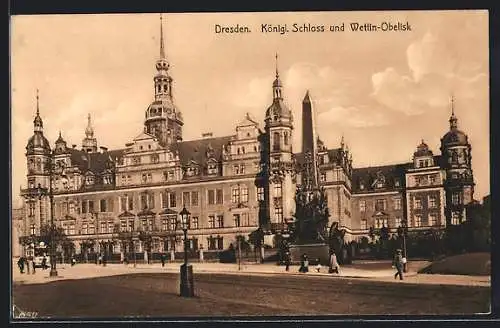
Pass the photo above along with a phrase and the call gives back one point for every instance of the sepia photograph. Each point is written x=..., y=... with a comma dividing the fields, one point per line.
x=250, y=165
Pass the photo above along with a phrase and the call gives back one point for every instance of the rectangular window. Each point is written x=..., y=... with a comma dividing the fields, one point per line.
x=164, y=199
x=103, y=227
x=418, y=220
x=164, y=224
x=432, y=202
x=220, y=196
x=455, y=218
x=170, y=175
x=123, y=225
x=144, y=224
x=195, y=222
x=242, y=169
x=144, y=201
x=362, y=206
x=322, y=177
x=380, y=205
x=432, y=179
x=363, y=224
x=418, y=203
x=220, y=221
x=277, y=190
x=244, y=194
x=91, y=206
x=397, y=221
x=245, y=220
x=260, y=194
x=91, y=228
x=235, y=196
x=172, y=224
x=220, y=243
x=432, y=220
x=278, y=213
x=211, y=221
x=123, y=203
x=173, y=200
x=455, y=198
x=32, y=209
x=186, y=198
x=103, y=205
x=236, y=219
x=130, y=202
x=211, y=197
x=131, y=225
x=236, y=169
x=397, y=203
x=194, y=198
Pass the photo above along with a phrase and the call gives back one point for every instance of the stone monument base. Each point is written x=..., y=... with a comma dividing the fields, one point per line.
x=313, y=252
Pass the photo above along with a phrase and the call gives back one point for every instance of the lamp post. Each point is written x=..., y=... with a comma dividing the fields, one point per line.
x=186, y=285
x=405, y=227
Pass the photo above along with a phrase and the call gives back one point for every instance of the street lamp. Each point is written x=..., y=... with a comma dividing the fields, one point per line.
x=186, y=285
x=404, y=230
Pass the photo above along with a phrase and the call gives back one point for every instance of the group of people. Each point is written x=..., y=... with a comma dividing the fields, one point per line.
x=333, y=264
x=29, y=264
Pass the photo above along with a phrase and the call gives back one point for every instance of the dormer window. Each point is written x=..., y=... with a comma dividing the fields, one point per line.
x=380, y=184
x=212, y=168
x=191, y=171
x=89, y=180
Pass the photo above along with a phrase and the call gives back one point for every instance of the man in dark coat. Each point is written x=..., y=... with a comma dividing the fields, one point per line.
x=398, y=263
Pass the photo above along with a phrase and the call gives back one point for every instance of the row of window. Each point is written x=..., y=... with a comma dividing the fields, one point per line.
x=167, y=224
x=380, y=204
x=418, y=221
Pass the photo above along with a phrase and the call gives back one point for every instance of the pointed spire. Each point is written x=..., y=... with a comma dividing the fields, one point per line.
x=342, y=142
x=277, y=73
x=162, y=47
x=89, y=131
x=307, y=97
x=453, y=119
x=37, y=104
x=37, y=122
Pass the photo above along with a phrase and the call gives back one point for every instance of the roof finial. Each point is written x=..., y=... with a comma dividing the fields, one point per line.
x=162, y=48
x=452, y=105
x=37, y=104
x=453, y=119
x=342, y=141
x=277, y=74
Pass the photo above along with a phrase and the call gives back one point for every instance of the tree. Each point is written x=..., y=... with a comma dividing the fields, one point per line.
x=59, y=238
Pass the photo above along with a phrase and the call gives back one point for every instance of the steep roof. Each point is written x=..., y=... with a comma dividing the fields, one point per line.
x=95, y=162
x=196, y=150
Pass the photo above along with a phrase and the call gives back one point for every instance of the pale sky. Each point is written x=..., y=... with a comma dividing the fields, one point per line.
x=384, y=91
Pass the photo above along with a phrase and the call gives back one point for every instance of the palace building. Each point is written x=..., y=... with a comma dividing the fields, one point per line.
x=233, y=184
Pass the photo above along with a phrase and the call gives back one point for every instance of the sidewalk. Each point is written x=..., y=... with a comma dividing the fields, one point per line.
x=82, y=271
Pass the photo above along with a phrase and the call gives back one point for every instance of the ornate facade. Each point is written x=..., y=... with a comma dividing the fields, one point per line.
x=231, y=185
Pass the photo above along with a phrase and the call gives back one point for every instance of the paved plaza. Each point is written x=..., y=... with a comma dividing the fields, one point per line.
x=81, y=271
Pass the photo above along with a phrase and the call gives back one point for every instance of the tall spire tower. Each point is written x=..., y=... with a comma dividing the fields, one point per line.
x=89, y=143
x=163, y=119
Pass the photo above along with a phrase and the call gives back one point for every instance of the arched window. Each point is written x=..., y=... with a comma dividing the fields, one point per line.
x=165, y=88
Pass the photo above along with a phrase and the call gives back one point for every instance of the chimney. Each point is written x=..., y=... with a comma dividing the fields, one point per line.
x=207, y=135
x=104, y=149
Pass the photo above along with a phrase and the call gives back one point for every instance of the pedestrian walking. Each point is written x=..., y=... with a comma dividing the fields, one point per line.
x=318, y=265
x=20, y=264
x=398, y=263
x=73, y=261
x=33, y=265
x=201, y=253
x=304, y=264
x=100, y=259
x=44, y=263
x=287, y=261
x=334, y=264
x=28, y=265
x=162, y=258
